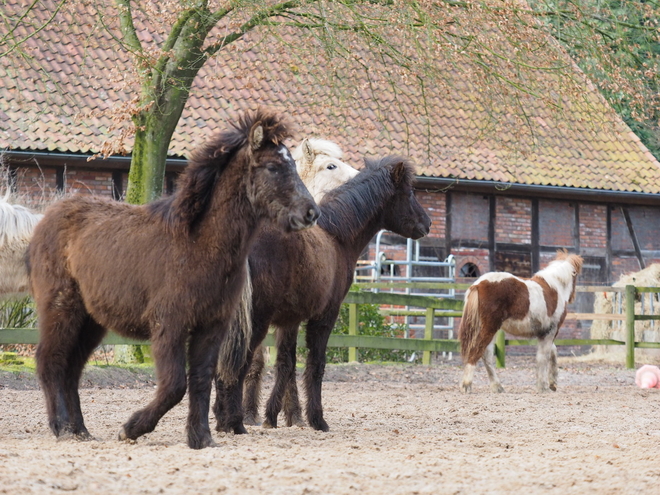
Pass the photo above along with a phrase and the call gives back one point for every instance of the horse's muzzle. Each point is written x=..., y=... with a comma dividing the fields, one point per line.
x=422, y=229
x=306, y=220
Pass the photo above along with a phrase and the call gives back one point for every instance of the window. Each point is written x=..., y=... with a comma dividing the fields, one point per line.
x=469, y=270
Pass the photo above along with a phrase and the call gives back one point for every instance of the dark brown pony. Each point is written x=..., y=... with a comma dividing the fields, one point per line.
x=305, y=277
x=171, y=271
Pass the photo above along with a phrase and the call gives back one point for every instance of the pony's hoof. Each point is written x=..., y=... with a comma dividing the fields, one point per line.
x=252, y=421
x=299, y=422
x=466, y=388
x=83, y=436
x=320, y=425
x=498, y=389
x=268, y=424
x=123, y=437
x=240, y=430
x=553, y=387
x=202, y=443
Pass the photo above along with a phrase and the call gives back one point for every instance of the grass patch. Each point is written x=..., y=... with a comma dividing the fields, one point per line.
x=12, y=362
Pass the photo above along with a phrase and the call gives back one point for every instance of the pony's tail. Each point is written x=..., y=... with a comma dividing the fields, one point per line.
x=470, y=326
x=234, y=348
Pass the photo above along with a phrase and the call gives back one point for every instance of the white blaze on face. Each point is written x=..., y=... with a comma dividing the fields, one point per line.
x=284, y=151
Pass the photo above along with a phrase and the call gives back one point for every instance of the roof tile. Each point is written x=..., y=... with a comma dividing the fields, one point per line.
x=456, y=135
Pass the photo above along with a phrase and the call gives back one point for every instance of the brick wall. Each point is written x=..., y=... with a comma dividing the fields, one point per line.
x=513, y=222
x=36, y=187
x=556, y=223
x=646, y=223
x=593, y=226
x=89, y=182
x=620, y=233
x=435, y=205
x=469, y=217
x=622, y=266
x=478, y=257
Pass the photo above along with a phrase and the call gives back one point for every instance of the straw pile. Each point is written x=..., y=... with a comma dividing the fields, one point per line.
x=613, y=303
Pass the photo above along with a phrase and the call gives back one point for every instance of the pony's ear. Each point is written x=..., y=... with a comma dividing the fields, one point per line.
x=398, y=172
x=256, y=138
x=308, y=153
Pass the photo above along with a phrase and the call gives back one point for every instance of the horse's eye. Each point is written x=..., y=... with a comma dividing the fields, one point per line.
x=272, y=168
x=332, y=166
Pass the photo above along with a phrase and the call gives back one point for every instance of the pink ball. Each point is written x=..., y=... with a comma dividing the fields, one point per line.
x=648, y=376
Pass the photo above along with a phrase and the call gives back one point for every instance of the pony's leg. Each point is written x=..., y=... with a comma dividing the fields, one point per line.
x=252, y=388
x=485, y=338
x=318, y=332
x=219, y=406
x=468, y=377
x=543, y=363
x=553, y=368
x=292, y=409
x=90, y=337
x=170, y=361
x=203, y=351
x=228, y=409
x=489, y=362
x=285, y=370
x=61, y=318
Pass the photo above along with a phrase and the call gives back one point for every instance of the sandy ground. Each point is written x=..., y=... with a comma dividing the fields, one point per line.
x=394, y=430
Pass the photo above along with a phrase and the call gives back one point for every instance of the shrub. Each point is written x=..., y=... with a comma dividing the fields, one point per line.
x=371, y=323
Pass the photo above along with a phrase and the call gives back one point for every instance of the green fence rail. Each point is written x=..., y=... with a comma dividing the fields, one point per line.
x=429, y=307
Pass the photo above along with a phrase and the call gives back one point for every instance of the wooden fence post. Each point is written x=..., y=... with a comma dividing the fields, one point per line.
x=630, y=326
x=352, y=330
x=428, y=333
x=500, y=349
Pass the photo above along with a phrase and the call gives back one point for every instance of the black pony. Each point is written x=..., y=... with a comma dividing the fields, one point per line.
x=305, y=277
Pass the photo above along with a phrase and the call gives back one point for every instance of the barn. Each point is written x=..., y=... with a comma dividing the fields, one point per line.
x=504, y=191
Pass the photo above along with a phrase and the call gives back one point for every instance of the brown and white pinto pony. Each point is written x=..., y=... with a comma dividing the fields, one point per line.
x=530, y=308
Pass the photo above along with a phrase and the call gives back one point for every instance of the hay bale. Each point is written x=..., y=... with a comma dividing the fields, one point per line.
x=613, y=303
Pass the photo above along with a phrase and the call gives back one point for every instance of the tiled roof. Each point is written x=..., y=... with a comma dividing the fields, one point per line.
x=56, y=107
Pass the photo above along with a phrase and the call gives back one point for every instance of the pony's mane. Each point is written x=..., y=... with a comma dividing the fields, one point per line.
x=346, y=209
x=16, y=222
x=320, y=147
x=196, y=185
x=573, y=259
x=563, y=267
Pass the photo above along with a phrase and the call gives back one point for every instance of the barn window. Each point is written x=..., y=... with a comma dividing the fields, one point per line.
x=470, y=270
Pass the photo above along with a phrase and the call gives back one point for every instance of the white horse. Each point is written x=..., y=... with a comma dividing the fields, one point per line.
x=529, y=308
x=16, y=226
x=320, y=167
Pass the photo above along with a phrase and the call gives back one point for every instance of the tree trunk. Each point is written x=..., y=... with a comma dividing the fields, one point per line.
x=165, y=91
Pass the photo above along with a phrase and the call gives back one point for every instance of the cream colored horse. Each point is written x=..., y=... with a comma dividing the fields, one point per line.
x=16, y=225
x=320, y=167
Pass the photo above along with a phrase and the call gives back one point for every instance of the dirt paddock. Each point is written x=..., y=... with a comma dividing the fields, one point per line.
x=394, y=430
